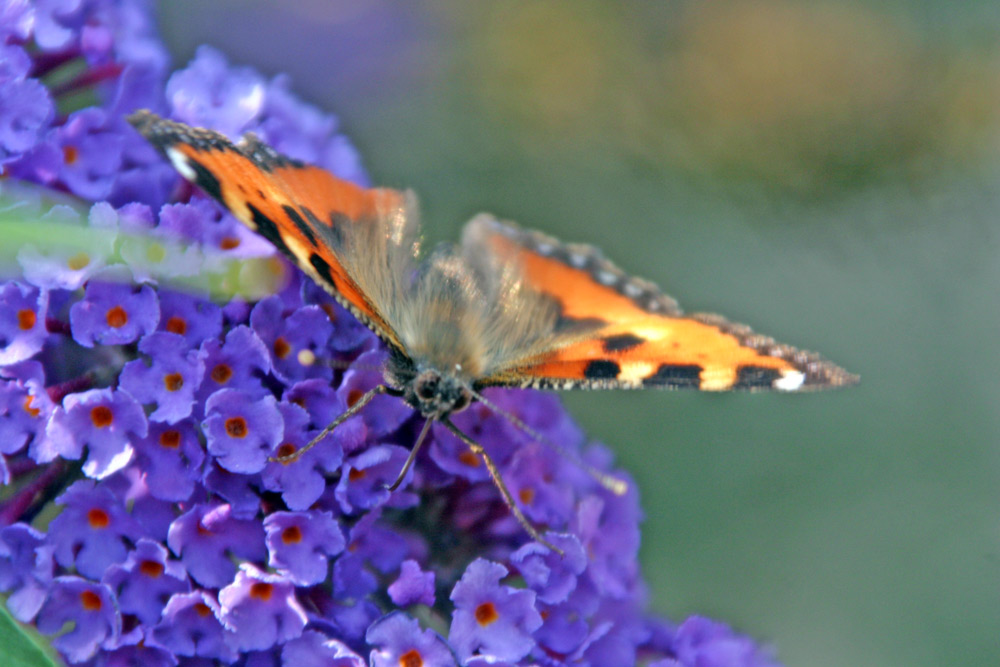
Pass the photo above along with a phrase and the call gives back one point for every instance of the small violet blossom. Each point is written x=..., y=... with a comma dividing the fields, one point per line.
x=190, y=534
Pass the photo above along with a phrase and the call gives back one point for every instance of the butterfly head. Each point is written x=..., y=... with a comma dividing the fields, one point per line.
x=434, y=393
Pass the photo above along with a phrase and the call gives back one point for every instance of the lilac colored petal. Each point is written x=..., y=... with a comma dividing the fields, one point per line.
x=365, y=477
x=540, y=479
x=260, y=610
x=91, y=153
x=171, y=379
x=608, y=528
x=210, y=93
x=302, y=482
x=301, y=543
x=25, y=406
x=194, y=318
x=295, y=339
x=133, y=650
x=242, y=492
x=26, y=569
x=170, y=457
x=92, y=530
x=114, y=314
x=23, y=309
x=314, y=649
x=398, y=639
x=89, y=607
x=490, y=617
x=205, y=536
x=146, y=580
x=17, y=19
x=707, y=643
x=384, y=414
x=237, y=363
x=413, y=586
x=190, y=627
x=348, y=333
x=205, y=221
x=551, y=575
x=103, y=420
x=26, y=110
x=242, y=432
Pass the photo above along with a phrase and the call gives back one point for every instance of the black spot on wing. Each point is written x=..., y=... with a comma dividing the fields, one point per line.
x=675, y=375
x=755, y=377
x=602, y=369
x=322, y=268
x=268, y=229
x=300, y=224
x=622, y=342
x=205, y=179
x=331, y=232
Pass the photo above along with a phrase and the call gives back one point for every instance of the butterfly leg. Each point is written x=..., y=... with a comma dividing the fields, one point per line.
x=341, y=418
x=412, y=457
x=478, y=450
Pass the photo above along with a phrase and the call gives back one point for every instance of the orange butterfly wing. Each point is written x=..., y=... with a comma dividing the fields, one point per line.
x=616, y=331
x=299, y=208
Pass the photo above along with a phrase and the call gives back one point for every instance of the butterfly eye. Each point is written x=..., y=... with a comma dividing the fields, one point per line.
x=426, y=386
x=462, y=402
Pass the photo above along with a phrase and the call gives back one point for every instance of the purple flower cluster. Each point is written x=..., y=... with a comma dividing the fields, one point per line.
x=178, y=538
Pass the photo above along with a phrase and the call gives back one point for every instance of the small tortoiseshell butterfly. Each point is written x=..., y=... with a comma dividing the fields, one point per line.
x=506, y=307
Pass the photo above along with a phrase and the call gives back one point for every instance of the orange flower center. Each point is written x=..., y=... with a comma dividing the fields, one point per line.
x=173, y=381
x=261, y=591
x=221, y=373
x=101, y=416
x=281, y=348
x=151, y=568
x=486, y=613
x=116, y=317
x=170, y=439
x=411, y=658
x=291, y=535
x=90, y=601
x=236, y=427
x=26, y=319
x=98, y=518
x=177, y=325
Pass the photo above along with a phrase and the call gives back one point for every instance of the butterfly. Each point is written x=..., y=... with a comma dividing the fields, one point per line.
x=504, y=307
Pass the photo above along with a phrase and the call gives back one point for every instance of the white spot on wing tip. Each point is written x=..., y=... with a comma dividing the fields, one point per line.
x=181, y=164
x=790, y=381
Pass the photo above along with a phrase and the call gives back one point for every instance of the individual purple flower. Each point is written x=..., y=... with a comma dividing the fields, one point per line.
x=238, y=363
x=398, y=640
x=189, y=316
x=91, y=153
x=145, y=581
x=608, y=527
x=414, y=586
x=63, y=267
x=295, y=339
x=89, y=607
x=190, y=627
x=241, y=492
x=489, y=617
x=302, y=481
x=240, y=432
x=25, y=406
x=23, y=309
x=551, y=575
x=171, y=457
x=203, y=220
x=313, y=649
x=384, y=414
x=26, y=110
x=113, y=314
x=348, y=333
x=204, y=538
x=367, y=475
x=131, y=650
x=26, y=569
x=260, y=610
x=707, y=643
x=169, y=381
x=93, y=529
x=210, y=93
x=103, y=420
x=300, y=544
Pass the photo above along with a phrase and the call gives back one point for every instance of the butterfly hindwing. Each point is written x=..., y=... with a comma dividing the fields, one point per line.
x=617, y=331
x=305, y=211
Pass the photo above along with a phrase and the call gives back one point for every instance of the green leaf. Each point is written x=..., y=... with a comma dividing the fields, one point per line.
x=19, y=647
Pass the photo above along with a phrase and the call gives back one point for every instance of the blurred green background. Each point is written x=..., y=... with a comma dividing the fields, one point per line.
x=828, y=172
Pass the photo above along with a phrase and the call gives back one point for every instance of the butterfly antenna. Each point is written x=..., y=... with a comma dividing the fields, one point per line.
x=478, y=450
x=412, y=457
x=609, y=482
x=341, y=418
